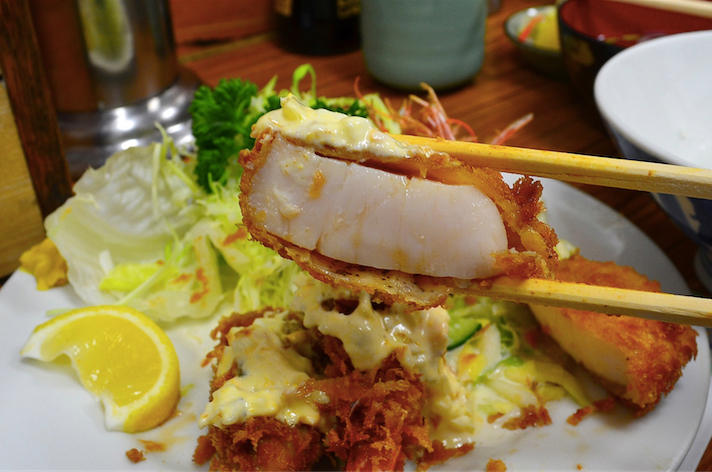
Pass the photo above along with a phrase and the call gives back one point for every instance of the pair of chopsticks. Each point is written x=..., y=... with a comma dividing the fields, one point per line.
x=579, y=168
x=611, y=172
x=691, y=7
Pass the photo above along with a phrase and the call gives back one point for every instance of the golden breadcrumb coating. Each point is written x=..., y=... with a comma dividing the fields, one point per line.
x=263, y=443
x=655, y=352
x=496, y=465
x=376, y=417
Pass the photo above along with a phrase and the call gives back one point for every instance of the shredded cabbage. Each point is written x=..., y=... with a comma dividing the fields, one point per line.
x=141, y=232
x=260, y=277
x=501, y=364
x=124, y=212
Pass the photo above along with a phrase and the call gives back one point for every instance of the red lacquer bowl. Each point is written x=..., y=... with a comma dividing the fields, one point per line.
x=593, y=31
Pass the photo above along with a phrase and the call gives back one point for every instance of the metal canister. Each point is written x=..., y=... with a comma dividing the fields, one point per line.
x=113, y=73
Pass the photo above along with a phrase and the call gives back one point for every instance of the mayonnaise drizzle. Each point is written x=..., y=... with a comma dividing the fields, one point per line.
x=268, y=377
x=269, y=374
x=369, y=336
x=326, y=128
x=419, y=338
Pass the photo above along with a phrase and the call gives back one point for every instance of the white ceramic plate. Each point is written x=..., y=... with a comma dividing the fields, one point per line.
x=50, y=422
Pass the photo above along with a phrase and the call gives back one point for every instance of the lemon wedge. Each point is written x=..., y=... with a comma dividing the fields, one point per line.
x=546, y=33
x=121, y=356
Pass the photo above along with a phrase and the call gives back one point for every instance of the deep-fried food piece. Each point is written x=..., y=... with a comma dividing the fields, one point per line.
x=358, y=209
x=257, y=442
x=637, y=360
x=263, y=413
x=441, y=454
x=264, y=443
x=496, y=465
x=135, y=455
x=377, y=416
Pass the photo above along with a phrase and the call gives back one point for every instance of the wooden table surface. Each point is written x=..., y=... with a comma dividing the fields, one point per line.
x=504, y=90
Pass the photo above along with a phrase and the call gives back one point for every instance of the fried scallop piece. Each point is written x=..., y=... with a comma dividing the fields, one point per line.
x=358, y=209
x=373, y=419
x=258, y=442
x=262, y=443
x=635, y=359
x=377, y=415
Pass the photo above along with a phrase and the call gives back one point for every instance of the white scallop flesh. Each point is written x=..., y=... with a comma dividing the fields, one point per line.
x=366, y=216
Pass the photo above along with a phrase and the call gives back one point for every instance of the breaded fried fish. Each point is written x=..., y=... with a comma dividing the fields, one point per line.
x=357, y=208
x=637, y=360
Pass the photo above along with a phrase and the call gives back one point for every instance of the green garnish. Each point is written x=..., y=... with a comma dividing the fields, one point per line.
x=466, y=319
x=223, y=117
x=222, y=121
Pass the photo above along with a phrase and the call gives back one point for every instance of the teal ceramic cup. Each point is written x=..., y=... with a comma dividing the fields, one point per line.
x=439, y=42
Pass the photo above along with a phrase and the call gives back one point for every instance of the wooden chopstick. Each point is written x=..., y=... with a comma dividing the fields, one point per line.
x=580, y=168
x=691, y=7
x=666, y=307
x=604, y=171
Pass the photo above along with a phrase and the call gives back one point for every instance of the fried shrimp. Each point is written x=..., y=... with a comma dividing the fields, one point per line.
x=357, y=208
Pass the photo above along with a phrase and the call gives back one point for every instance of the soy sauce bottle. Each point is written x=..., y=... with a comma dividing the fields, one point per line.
x=318, y=27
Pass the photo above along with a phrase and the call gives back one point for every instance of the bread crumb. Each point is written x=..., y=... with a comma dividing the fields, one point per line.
x=496, y=465
x=135, y=455
x=153, y=446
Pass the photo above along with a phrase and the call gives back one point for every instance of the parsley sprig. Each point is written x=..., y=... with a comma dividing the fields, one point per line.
x=223, y=117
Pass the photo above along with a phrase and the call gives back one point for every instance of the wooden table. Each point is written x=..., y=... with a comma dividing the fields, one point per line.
x=503, y=91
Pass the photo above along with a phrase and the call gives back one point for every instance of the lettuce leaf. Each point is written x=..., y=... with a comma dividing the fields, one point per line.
x=141, y=232
x=125, y=215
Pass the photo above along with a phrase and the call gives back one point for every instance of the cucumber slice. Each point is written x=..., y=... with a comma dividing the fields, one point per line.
x=462, y=329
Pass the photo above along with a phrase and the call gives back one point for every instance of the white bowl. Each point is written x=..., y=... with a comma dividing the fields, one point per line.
x=658, y=94
x=656, y=99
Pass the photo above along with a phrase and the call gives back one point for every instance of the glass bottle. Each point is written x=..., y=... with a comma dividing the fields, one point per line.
x=318, y=27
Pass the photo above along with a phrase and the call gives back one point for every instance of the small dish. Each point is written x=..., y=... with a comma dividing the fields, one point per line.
x=542, y=51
